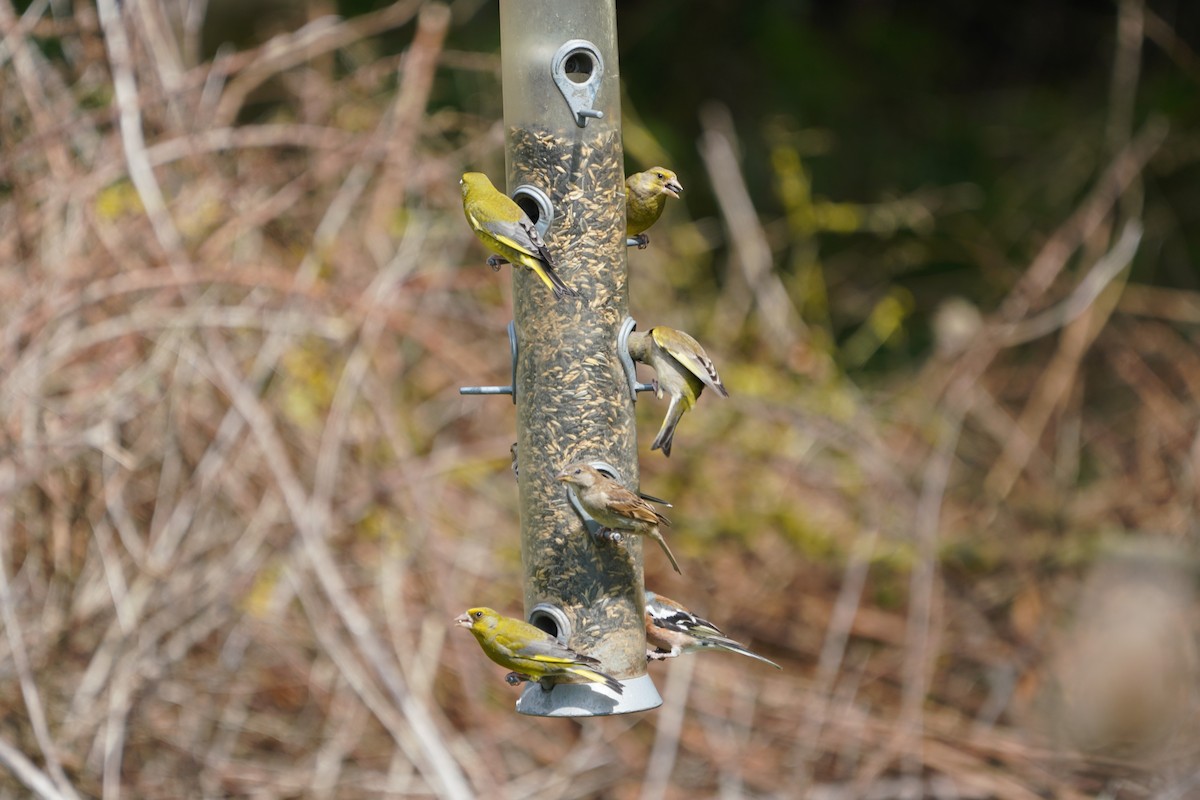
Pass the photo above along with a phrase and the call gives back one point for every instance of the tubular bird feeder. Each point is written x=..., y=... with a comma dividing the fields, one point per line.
x=565, y=168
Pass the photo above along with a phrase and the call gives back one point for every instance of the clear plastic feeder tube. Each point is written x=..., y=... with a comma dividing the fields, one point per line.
x=563, y=138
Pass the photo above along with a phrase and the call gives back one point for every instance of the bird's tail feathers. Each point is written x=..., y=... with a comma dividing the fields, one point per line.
x=555, y=282
x=663, y=543
x=663, y=441
x=737, y=647
x=666, y=434
x=595, y=676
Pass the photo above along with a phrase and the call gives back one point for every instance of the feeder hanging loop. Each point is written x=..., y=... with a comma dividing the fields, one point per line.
x=579, y=57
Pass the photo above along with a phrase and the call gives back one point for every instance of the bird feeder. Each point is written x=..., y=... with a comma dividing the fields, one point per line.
x=565, y=168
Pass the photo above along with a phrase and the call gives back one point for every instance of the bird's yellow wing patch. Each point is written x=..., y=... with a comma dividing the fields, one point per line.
x=544, y=652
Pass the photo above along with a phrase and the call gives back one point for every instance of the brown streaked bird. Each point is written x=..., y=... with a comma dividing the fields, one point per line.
x=517, y=474
x=613, y=506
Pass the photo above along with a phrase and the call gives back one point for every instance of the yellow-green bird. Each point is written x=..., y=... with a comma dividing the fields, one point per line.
x=508, y=232
x=646, y=195
x=530, y=652
x=681, y=369
x=613, y=506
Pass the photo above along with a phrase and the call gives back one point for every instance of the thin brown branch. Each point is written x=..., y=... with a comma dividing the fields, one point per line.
x=752, y=253
x=285, y=51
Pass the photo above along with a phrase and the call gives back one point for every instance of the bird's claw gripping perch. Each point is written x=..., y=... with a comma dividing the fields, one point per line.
x=608, y=535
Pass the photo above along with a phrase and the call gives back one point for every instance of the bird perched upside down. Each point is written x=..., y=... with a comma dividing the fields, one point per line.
x=646, y=196
x=681, y=369
x=530, y=652
x=508, y=231
x=613, y=506
x=672, y=630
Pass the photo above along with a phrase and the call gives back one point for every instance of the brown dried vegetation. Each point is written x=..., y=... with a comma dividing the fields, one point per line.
x=241, y=499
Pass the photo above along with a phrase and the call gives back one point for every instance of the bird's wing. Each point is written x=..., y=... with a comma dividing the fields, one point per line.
x=662, y=639
x=688, y=352
x=670, y=615
x=628, y=504
x=519, y=234
x=546, y=650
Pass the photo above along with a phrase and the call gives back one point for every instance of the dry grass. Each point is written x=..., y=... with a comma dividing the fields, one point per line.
x=241, y=498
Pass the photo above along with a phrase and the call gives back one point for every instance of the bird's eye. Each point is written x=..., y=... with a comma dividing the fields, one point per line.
x=579, y=470
x=659, y=175
x=478, y=615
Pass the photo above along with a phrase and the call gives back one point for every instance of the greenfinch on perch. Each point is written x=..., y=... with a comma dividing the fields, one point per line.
x=646, y=196
x=530, y=652
x=508, y=232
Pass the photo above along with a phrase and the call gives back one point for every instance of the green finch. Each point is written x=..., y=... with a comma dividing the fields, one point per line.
x=672, y=630
x=613, y=506
x=681, y=369
x=646, y=195
x=507, y=231
x=530, y=652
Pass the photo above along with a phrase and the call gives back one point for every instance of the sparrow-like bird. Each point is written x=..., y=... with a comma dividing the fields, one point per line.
x=613, y=506
x=646, y=195
x=681, y=370
x=530, y=652
x=672, y=630
x=517, y=474
x=507, y=231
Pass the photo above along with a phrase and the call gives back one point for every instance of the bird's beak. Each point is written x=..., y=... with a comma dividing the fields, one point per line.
x=463, y=621
x=673, y=188
x=562, y=476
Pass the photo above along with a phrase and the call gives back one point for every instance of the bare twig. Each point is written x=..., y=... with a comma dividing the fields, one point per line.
x=311, y=524
x=29, y=690
x=416, y=81
x=1125, y=168
x=833, y=651
x=289, y=50
x=1102, y=273
x=28, y=774
x=1131, y=24
x=133, y=136
x=752, y=253
x=1058, y=376
x=661, y=763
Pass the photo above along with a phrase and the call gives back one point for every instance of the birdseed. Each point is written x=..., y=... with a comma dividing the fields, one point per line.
x=572, y=398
